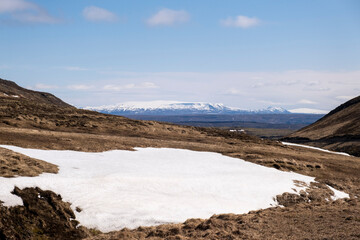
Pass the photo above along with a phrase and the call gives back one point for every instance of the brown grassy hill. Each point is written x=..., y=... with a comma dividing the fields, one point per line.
x=339, y=130
x=32, y=120
x=12, y=90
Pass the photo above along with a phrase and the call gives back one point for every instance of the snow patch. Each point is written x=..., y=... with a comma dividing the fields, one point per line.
x=316, y=148
x=338, y=194
x=237, y=130
x=151, y=186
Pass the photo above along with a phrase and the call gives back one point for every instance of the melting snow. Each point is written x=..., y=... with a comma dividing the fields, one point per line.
x=150, y=186
x=320, y=149
x=338, y=194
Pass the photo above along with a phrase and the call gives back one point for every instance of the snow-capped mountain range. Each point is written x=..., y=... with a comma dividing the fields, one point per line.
x=178, y=108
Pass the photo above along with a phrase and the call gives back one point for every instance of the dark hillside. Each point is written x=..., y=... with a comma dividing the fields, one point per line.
x=339, y=130
x=12, y=90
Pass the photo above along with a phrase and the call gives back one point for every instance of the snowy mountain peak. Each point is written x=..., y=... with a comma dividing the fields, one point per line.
x=160, y=105
x=177, y=108
x=276, y=109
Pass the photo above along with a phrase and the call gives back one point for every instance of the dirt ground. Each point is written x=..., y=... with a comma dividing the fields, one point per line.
x=14, y=164
x=332, y=220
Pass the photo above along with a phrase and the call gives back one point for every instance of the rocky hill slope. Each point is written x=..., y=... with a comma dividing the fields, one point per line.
x=339, y=130
x=9, y=89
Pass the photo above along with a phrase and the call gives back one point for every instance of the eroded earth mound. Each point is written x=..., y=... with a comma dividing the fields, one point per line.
x=43, y=216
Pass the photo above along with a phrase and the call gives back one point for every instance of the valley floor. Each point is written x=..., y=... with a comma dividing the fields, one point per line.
x=304, y=219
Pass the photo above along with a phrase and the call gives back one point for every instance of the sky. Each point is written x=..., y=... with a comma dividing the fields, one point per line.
x=247, y=54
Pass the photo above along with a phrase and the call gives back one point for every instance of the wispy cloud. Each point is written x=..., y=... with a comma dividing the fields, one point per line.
x=246, y=89
x=168, y=17
x=306, y=101
x=4, y=67
x=22, y=11
x=346, y=98
x=143, y=85
x=273, y=103
x=74, y=68
x=15, y=5
x=240, y=22
x=80, y=87
x=44, y=86
x=258, y=85
x=233, y=91
x=308, y=110
x=97, y=14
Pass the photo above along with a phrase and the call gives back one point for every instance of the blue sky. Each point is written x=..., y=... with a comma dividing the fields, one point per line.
x=248, y=54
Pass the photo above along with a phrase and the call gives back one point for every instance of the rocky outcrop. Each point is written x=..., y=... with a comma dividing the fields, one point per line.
x=43, y=216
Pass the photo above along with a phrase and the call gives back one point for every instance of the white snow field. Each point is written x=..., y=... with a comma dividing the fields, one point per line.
x=315, y=148
x=151, y=186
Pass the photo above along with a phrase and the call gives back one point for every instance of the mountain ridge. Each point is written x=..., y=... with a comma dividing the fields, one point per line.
x=178, y=108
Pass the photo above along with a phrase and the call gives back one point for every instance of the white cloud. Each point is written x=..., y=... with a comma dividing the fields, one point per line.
x=45, y=86
x=148, y=85
x=317, y=89
x=306, y=101
x=168, y=17
x=258, y=85
x=240, y=21
x=143, y=85
x=74, y=68
x=346, y=98
x=96, y=14
x=308, y=111
x=40, y=16
x=80, y=87
x=113, y=87
x=313, y=83
x=25, y=12
x=15, y=5
x=283, y=89
x=233, y=91
x=272, y=103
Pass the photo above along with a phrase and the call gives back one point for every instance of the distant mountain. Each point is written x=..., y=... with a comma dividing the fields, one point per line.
x=178, y=108
x=339, y=130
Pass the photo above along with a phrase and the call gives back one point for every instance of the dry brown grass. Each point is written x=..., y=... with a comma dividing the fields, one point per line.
x=15, y=164
x=338, y=131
